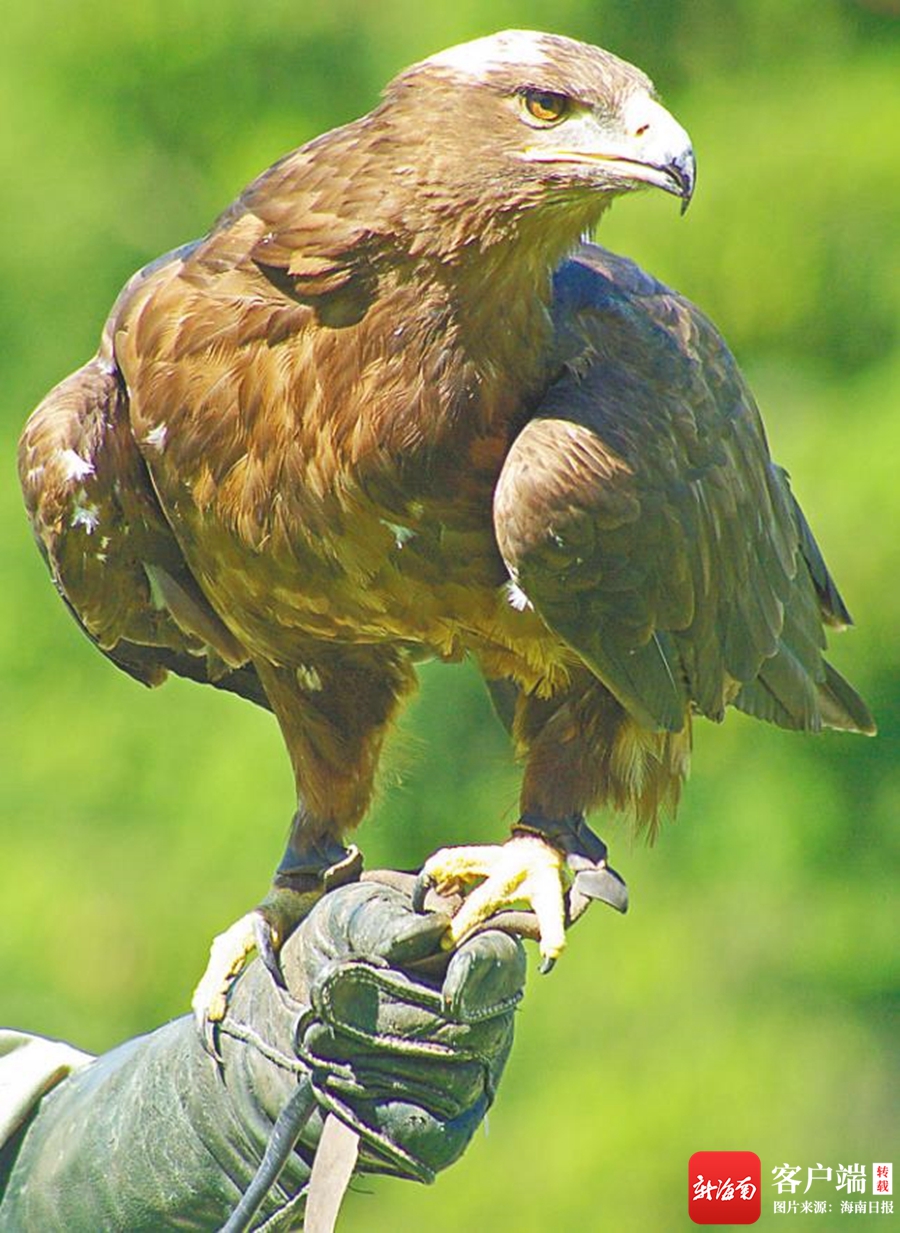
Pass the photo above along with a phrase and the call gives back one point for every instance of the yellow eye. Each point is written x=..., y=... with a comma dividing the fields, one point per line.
x=545, y=105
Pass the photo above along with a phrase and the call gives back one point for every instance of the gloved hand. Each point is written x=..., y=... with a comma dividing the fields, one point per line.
x=401, y=1044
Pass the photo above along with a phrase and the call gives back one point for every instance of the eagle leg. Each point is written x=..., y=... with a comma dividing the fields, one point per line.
x=556, y=866
x=308, y=869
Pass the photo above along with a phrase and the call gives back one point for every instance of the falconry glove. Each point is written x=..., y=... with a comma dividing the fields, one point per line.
x=383, y=1058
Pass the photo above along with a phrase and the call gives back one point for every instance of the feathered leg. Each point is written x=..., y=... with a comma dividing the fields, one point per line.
x=335, y=710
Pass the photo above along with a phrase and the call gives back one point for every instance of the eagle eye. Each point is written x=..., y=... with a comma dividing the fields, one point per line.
x=546, y=106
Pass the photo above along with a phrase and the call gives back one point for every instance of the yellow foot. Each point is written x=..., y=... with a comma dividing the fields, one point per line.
x=265, y=930
x=228, y=955
x=525, y=868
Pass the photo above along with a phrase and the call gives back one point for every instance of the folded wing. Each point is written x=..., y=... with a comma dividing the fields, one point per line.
x=640, y=513
x=112, y=554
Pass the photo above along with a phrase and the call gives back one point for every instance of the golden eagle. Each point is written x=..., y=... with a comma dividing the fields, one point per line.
x=392, y=408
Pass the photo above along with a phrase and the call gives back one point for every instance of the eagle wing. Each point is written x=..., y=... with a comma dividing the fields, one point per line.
x=640, y=514
x=101, y=529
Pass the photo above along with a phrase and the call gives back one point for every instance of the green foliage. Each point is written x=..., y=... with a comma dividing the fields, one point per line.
x=747, y=999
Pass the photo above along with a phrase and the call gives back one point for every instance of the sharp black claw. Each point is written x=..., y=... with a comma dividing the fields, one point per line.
x=210, y=1036
x=547, y=965
x=424, y=883
x=268, y=951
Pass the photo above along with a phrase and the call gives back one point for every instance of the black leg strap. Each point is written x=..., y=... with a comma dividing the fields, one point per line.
x=310, y=863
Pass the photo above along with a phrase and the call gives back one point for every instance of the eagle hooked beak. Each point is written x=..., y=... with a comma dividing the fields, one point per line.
x=646, y=145
x=657, y=150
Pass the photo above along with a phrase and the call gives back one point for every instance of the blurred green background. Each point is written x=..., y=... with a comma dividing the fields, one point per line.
x=749, y=998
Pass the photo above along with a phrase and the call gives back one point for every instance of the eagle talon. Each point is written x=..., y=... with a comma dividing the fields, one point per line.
x=268, y=949
x=585, y=857
x=423, y=884
x=228, y=954
x=525, y=868
x=209, y=1030
x=264, y=930
x=306, y=872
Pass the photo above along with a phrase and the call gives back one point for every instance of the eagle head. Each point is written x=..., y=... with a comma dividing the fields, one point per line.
x=486, y=137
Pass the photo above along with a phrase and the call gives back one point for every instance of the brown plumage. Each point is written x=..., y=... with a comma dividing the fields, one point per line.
x=390, y=409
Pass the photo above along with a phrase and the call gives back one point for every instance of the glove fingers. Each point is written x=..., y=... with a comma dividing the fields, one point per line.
x=417, y=938
x=485, y=977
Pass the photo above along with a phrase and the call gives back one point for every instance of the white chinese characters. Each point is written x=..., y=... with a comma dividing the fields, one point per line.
x=727, y=1189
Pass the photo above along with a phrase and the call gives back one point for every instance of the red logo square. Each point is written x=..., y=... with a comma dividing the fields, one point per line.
x=723, y=1188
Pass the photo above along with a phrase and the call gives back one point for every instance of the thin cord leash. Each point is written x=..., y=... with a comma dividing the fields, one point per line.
x=282, y=1141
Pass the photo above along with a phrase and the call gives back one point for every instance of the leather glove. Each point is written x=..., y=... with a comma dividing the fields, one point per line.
x=386, y=1051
